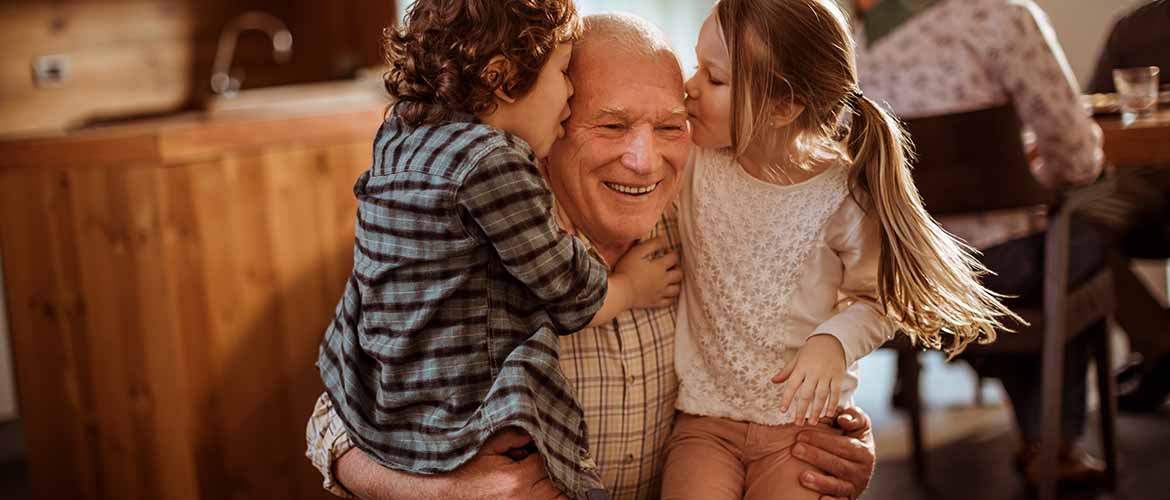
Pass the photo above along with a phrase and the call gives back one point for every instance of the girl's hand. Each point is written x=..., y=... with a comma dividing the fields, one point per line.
x=652, y=272
x=814, y=379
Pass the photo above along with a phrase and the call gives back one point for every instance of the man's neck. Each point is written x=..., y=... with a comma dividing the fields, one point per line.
x=613, y=251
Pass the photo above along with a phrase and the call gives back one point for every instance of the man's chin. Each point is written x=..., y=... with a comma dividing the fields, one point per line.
x=624, y=225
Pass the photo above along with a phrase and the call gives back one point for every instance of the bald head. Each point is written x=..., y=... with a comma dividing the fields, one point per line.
x=624, y=32
x=612, y=42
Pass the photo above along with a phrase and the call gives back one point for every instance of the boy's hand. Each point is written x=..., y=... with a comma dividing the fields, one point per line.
x=814, y=379
x=651, y=270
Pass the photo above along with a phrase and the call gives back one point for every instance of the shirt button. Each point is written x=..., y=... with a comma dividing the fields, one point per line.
x=630, y=458
x=632, y=379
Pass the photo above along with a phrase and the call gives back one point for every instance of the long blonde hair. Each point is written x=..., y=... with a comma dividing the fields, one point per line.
x=800, y=52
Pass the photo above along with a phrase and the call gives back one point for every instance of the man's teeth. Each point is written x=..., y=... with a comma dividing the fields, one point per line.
x=622, y=188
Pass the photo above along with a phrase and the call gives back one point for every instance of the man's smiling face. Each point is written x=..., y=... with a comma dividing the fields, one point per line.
x=621, y=161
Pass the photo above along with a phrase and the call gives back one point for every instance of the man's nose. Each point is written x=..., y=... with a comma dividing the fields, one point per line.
x=641, y=153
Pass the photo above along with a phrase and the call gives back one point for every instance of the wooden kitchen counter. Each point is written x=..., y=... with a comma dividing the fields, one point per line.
x=168, y=283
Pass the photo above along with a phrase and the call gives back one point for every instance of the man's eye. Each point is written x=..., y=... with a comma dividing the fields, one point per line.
x=670, y=128
x=613, y=126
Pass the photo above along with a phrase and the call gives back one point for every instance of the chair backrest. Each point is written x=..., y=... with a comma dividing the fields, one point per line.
x=973, y=162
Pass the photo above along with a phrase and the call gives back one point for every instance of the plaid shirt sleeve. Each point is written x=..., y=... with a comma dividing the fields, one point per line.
x=509, y=202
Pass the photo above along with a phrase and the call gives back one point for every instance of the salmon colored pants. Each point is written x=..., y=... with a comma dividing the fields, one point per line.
x=712, y=458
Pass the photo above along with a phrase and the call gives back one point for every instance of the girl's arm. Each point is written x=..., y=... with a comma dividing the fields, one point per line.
x=815, y=376
x=861, y=326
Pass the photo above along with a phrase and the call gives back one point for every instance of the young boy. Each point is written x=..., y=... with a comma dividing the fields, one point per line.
x=462, y=280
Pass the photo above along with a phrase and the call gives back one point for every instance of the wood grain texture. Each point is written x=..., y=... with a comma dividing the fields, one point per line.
x=185, y=139
x=1145, y=142
x=165, y=317
x=137, y=57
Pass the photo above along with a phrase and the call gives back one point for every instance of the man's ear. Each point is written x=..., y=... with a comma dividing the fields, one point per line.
x=784, y=113
x=496, y=74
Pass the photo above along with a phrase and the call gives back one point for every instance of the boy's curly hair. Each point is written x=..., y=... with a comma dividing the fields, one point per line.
x=437, y=61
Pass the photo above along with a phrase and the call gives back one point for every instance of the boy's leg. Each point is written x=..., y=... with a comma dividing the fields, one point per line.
x=704, y=459
x=772, y=472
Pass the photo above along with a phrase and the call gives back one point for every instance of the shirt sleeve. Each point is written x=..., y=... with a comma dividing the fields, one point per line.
x=1033, y=69
x=860, y=325
x=507, y=200
x=326, y=440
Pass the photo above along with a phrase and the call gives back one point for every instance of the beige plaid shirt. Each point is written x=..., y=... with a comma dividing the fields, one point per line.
x=624, y=376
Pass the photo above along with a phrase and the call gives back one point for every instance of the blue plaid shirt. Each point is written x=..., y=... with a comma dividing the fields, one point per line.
x=462, y=282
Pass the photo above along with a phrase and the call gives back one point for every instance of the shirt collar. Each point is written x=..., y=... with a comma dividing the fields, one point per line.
x=888, y=15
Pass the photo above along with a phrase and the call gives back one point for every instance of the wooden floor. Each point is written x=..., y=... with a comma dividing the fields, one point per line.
x=980, y=467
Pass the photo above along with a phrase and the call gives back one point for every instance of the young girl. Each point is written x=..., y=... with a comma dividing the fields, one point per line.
x=807, y=248
x=447, y=332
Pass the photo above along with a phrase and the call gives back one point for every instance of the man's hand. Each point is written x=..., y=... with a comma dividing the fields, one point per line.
x=489, y=475
x=844, y=463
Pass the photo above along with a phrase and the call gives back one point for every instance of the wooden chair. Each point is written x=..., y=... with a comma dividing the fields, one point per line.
x=975, y=162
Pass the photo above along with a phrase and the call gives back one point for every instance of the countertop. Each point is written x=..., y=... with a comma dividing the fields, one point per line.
x=254, y=119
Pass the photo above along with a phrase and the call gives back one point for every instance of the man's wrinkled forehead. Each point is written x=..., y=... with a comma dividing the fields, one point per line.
x=625, y=114
x=600, y=67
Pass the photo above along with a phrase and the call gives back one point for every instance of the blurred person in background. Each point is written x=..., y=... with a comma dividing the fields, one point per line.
x=940, y=58
x=1141, y=38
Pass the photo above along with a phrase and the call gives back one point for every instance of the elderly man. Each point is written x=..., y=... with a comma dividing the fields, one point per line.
x=615, y=177
x=1140, y=38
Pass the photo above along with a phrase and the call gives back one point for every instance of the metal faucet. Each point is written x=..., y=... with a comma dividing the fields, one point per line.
x=222, y=81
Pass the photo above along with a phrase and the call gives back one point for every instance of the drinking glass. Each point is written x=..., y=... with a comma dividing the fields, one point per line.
x=1137, y=90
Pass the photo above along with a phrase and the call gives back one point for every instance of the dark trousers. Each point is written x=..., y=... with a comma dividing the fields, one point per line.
x=1019, y=268
x=1138, y=215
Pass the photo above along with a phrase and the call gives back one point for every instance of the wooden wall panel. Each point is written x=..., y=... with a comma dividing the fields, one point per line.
x=48, y=334
x=166, y=319
x=125, y=57
x=136, y=57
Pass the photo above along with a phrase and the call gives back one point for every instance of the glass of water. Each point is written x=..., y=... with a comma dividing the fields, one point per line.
x=1137, y=90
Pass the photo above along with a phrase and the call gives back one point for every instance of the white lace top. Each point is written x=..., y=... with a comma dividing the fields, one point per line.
x=768, y=266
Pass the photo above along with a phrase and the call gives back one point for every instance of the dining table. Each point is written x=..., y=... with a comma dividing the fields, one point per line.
x=1143, y=142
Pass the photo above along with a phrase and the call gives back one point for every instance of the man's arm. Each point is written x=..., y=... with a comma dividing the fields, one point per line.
x=843, y=464
x=1033, y=69
x=490, y=475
